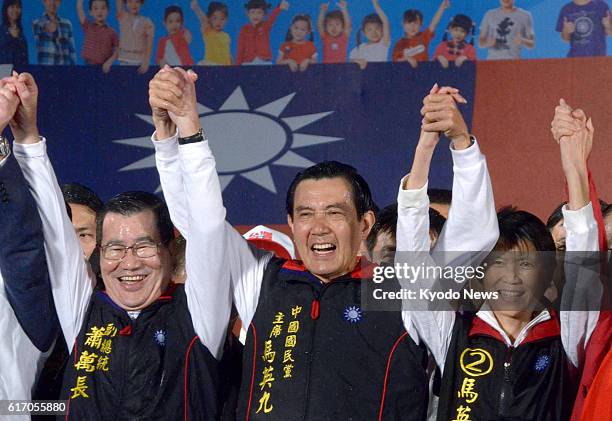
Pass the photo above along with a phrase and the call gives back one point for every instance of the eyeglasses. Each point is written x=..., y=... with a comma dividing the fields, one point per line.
x=118, y=252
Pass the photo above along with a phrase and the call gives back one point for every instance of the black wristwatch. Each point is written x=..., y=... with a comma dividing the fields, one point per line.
x=5, y=147
x=194, y=138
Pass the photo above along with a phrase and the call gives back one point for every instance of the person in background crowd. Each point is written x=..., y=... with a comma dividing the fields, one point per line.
x=376, y=29
x=298, y=51
x=54, y=36
x=13, y=44
x=413, y=47
x=381, y=239
x=254, y=38
x=173, y=49
x=457, y=50
x=139, y=313
x=554, y=223
x=334, y=28
x=101, y=43
x=440, y=200
x=217, y=44
x=585, y=24
x=84, y=204
x=28, y=321
x=136, y=34
x=505, y=31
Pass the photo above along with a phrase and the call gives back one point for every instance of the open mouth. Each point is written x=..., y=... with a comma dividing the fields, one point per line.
x=131, y=280
x=323, y=249
x=508, y=294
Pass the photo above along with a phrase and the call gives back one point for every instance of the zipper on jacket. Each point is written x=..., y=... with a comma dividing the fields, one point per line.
x=314, y=314
x=506, y=387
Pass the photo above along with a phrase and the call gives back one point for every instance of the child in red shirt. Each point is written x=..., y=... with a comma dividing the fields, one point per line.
x=173, y=49
x=413, y=46
x=254, y=38
x=334, y=29
x=457, y=49
x=298, y=50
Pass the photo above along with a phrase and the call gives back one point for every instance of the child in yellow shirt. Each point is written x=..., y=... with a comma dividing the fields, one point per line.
x=216, y=42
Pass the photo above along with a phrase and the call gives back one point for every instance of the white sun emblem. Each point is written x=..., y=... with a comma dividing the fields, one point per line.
x=353, y=314
x=247, y=141
x=160, y=337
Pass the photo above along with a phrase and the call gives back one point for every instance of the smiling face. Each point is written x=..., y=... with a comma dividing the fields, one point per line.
x=373, y=32
x=217, y=20
x=412, y=28
x=133, y=283
x=334, y=27
x=256, y=16
x=519, y=277
x=458, y=34
x=173, y=23
x=99, y=11
x=325, y=226
x=300, y=29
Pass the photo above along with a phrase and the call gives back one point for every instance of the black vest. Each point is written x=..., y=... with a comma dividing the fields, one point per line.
x=151, y=368
x=486, y=380
x=312, y=353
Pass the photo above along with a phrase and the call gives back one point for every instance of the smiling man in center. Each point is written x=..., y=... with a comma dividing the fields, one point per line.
x=312, y=352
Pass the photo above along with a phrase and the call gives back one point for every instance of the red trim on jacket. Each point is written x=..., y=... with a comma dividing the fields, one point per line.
x=186, y=375
x=384, y=392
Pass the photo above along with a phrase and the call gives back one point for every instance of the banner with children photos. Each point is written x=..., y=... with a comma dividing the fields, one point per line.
x=148, y=32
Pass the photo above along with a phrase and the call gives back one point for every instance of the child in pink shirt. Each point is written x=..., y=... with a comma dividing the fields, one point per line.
x=334, y=29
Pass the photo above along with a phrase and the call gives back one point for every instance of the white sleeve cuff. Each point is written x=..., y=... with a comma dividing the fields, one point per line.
x=413, y=198
x=467, y=157
x=31, y=150
x=164, y=146
x=578, y=220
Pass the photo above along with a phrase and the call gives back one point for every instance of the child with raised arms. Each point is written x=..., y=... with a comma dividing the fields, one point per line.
x=135, y=35
x=254, y=38
x=217, y=43
x=334, y=29
x=101, y=43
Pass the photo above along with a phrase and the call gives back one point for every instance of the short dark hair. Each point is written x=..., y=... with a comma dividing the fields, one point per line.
x=173, y=9
x=362, y=196
x=557, y=214
x=5, y=5
x=517, y=227
x=386, y=222
x=436, y=222
x=442, y=196
x=412, y=15
x=130, y=203
x=334, y=14
x=216, y=6
x=257, y=4
x=79, y=194
x=91, y=2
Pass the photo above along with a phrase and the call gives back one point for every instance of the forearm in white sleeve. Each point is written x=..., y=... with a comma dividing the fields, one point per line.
x=582, y=292
x=214, y=255
x=171, y=180
x=472, y=219
x=412, y=245
x=72, y=280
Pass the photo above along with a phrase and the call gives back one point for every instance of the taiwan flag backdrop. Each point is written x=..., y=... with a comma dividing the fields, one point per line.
x=265, y=124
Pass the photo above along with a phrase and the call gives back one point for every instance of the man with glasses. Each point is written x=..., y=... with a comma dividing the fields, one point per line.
x=143, y=348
